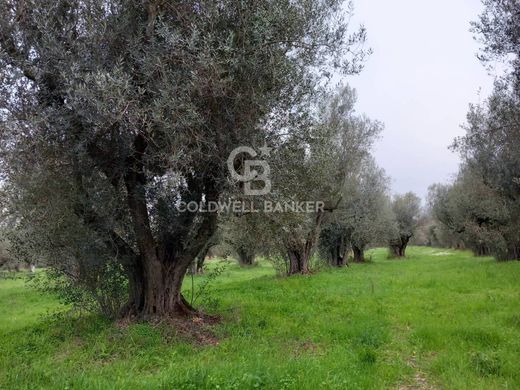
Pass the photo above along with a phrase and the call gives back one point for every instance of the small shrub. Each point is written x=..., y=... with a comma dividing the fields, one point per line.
x=105, y=291
x=317, y=263
x=204, y=290
x=280, y=264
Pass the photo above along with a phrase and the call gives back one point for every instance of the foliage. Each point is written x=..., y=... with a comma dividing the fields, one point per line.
x=280, y=264
x=247, y=234
x=497, y=30
x=5, y=257
x=106, y=295
x=363, y=216
x=481, y=207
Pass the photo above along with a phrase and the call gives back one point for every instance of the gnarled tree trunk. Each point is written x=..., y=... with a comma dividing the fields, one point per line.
x=298, y=261
x=342, y=252
x=299, y=253
x=339, y=253
x=155, y=283
x=197, y=267
x=160, y=267
x=397, y=247
x=359, y=254
x=481, y=250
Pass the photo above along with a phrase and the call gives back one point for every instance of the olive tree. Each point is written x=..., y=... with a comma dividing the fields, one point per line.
x=367, y=212
x=363, y=216
x=407, y=212
x=321, y=162
x=335, y=242
x=498, y=29
x=470, y=214
x=116, y=111
x=247, y=234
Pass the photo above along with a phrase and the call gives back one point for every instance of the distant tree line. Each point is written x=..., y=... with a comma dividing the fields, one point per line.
x=480, y=210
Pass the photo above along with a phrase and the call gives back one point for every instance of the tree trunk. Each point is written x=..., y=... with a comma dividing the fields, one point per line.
x=246, y=256
x=300, y=253
x=359, y=255
x=341, y=261
x=135, y=289
x=512, y=253
x=404, y=244
x=342, y=250
x=298, y=262
x=481, y=250
x=393, y=250
x=339, y=253
x=197, y=267
x=397, y=247
x=163, y=283
x=200, y=264
x=156, y=278
x=402, y=250
x=155, y=290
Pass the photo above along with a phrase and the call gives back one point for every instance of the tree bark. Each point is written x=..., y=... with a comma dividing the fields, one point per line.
x=298, y=262
x=398, y=246
x=199, y=266
x=481, y=250
x=299, y=253
x=404, y=244
x=135, y=289
x=341, y=252
x=359, y=255
x=339, y=256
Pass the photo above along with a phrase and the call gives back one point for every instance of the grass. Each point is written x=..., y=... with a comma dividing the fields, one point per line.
x=439, y=319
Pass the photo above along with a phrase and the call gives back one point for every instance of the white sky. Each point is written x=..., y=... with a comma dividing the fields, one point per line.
x=419, y=82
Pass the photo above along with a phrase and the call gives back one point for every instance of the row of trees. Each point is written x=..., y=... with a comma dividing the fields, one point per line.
x=363, y=214
x=480, y=210
x=330, y=162
x=114, y=112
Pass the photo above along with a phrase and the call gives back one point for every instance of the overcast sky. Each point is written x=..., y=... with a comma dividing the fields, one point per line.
x=419, y=82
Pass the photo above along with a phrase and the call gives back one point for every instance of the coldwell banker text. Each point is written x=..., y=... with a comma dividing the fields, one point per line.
x=240, y=206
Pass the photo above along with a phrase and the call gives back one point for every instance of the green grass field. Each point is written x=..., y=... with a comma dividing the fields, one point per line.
x=439, y=319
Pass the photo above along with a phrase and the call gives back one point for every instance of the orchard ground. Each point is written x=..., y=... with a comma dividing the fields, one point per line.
x=438, y=319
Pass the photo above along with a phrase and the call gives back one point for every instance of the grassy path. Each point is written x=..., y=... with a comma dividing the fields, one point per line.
x=439, y=319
